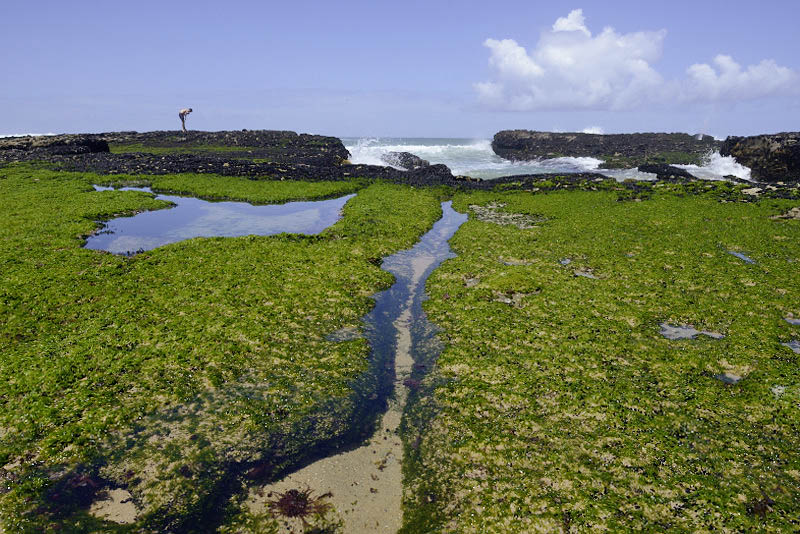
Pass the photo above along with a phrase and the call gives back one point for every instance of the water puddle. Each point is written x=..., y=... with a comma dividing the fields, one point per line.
x=585, y=273
x=193, y=217
x=742, y=257
x=365, y=484
x=728, y=378
x=686, y=332
x=794, y=345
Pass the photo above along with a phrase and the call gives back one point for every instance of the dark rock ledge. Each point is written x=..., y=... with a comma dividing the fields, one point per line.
x=617, y=150
x=771, y=158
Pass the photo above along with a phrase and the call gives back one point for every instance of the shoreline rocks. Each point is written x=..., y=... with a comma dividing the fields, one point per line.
x=617, y=150
x=269, y=155
x=65, y=144
x=666, y=172
x=406, y=160
x=771, y=157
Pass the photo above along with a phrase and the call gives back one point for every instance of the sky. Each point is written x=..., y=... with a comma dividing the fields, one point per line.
x=401, y=69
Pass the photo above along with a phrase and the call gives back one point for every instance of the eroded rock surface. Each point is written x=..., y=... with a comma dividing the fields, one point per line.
x=771, y=158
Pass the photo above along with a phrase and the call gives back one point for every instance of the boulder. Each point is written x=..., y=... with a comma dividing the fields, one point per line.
x=617, y=150
x=434, y=173
x=666, y=172
x=771, y=158
x=406, y=160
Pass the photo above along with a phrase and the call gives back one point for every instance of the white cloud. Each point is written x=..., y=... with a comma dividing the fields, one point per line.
x=729, y=82
x=572, y=22
x=569, y=68
x=593, y=130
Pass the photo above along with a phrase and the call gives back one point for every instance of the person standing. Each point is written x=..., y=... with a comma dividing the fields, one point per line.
x=182, y=115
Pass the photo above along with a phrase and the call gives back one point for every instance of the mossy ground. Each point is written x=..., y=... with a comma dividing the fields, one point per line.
x=557, y=406
x=163, y=372
x=188, y=148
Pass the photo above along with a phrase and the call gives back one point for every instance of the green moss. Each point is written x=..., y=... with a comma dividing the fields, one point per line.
x=234, y=188
x=611, y=161
x=163, y=372
x=568, y=411
x=120, y=148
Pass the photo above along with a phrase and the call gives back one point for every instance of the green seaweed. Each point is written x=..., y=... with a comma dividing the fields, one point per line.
x=187, y=148
x=171, y=372
x=566, y=410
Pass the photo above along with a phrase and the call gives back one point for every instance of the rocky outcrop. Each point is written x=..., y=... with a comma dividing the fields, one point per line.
x=406, y=160
x=162, y=152
x=771, y=158
x=273, y=145
x=666, y=172
x=616, y=150
x=67, y=144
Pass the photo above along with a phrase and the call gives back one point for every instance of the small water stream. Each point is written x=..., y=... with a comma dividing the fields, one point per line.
x=194, y=217
x=366, y=483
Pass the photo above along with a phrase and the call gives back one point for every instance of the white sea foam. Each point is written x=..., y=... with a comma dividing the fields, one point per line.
x=716, y=167
x=475, y=157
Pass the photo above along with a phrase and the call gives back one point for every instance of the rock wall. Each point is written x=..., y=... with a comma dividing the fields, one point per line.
x=617, y=150
x=771, y=158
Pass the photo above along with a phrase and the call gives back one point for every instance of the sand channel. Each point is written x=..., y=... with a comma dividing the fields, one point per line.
x=365, y=485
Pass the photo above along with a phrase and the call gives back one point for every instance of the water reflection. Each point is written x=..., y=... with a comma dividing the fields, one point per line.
x=193, y=217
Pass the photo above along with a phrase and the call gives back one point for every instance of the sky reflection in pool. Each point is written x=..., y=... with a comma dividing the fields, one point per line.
x=193, y=217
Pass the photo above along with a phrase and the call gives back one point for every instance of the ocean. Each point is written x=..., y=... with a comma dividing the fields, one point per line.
x=474, y=157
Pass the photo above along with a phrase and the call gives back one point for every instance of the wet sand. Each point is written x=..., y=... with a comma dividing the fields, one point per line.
x=366, y=484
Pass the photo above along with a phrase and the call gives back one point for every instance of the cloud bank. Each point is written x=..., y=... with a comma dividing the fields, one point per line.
x=572, y=69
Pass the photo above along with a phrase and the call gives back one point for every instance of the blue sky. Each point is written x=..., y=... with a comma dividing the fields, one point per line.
x=433, y=69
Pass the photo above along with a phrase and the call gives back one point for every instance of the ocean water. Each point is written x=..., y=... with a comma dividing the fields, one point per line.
x=25, y=135
x=475, y=157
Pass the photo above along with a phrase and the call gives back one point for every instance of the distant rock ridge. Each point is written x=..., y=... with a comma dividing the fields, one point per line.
x=616, y=150
x=771, y=157
x=255, y=154
x=63, y=144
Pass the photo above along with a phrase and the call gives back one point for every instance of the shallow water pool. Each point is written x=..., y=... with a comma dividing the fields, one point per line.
x=192, y=217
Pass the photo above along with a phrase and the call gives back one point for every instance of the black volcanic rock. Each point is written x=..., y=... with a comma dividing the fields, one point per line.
x=273, y=145
x=168, y=152
x=406, y=160
x=771, y=158
x=35, y=145
x=617, y=150
x=665, y=172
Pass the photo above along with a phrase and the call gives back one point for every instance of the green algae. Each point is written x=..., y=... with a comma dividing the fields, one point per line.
x=188, y=148
x=557, y=406
x=614, y=161
x=174, y=372
x=569, y=412
x=212, y=187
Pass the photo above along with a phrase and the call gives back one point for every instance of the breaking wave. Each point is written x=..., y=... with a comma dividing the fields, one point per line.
x=475, y=157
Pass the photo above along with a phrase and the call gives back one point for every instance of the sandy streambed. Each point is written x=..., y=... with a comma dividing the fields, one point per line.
x=365, y=485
